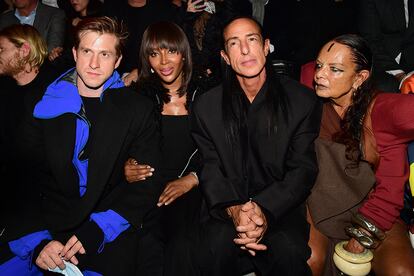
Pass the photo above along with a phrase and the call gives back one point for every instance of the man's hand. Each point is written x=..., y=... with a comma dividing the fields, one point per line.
x=130, y=77
x=54, y=53
x=257, y=218
x=50, y=256
x=73, y=246
x=251, y=225
x=177, y=188
x=136, y=172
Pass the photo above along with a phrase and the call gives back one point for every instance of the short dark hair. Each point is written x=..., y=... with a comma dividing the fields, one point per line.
x=102, y=25
x=165, y=35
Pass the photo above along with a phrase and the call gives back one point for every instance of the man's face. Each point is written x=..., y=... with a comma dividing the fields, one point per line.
x=9, y=57
x=95, y=59
x=22, y=4
x=137, y=3
x=245, y=50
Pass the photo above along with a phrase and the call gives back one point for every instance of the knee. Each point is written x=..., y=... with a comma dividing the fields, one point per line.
x=319, y=247
x=289, y=248
x=395, y=269
x=317, y=261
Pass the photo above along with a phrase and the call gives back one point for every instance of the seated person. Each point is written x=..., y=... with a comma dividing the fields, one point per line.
x=165, y=78
x=256, y=136
x=25, y=76
x=76, y=140
x=49, y=21
x=361, y=130
x=387, y=26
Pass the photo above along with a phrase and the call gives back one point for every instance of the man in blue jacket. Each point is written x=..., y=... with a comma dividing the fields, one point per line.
x=77, y=140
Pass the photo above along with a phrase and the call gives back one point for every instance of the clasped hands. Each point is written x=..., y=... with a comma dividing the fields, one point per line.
x=53, y=254
x=251, y=225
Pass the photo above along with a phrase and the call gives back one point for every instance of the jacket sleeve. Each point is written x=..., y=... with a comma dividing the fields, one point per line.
x=217, y=188
x=56, y=32
x=136, y=199
x=369, y=27
x=393, y=128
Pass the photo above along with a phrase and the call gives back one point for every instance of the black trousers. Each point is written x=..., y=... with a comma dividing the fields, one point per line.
x=117, y=258
x=214, y=253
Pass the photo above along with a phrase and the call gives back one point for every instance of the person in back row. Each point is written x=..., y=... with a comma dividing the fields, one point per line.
x=48, y=21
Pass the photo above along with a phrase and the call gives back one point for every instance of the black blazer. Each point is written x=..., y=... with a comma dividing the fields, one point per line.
x=382, y=23
x=285, y=167
x=127, y=128
x=294, y=27
x=49, y=22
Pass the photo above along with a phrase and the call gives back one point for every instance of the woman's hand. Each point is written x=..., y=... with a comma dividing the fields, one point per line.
x=195, y=6
x=354, y=246
x=131, y=77
x=177, y=188
x=136, y=172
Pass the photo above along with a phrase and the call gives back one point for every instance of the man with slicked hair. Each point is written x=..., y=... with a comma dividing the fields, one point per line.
x=256, y=135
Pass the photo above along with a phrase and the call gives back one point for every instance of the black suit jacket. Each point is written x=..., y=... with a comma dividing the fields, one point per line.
x=283, y=165
x=294, y=28
x=383, y=24
x=49, y=21
x=127, y=127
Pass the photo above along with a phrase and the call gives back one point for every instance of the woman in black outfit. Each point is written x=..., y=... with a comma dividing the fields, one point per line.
x=202, y=22
x=165, y=76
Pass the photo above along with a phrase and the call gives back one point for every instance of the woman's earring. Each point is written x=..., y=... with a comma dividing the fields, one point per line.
x=355, y=90
x=152, y=70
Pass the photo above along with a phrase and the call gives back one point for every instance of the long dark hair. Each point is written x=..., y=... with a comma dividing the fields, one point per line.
x=93, y=9
x=352, y=123
x=233, y=107
x=165, y=35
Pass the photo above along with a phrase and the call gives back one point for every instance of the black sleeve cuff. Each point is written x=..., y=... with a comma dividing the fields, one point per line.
x=38, y=249
x=5, y=253
x=91, y=236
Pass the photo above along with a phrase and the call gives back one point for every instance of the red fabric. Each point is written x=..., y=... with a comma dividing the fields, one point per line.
x=306, y=74
x=393, y=126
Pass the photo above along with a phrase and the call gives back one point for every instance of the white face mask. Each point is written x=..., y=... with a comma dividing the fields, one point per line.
x=210, y=7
